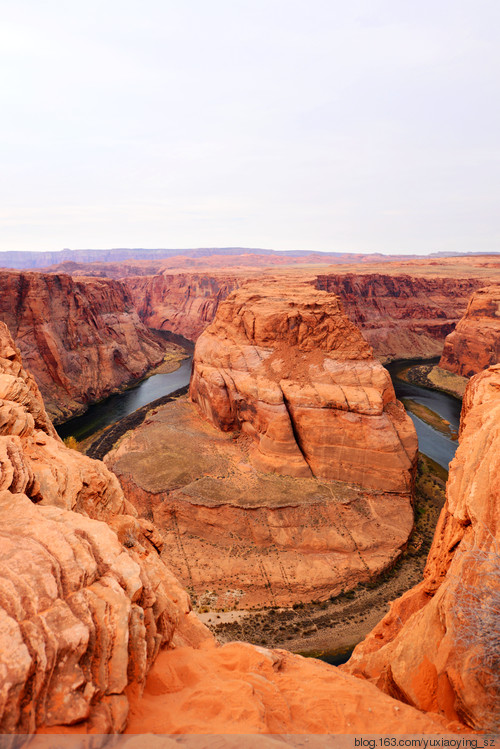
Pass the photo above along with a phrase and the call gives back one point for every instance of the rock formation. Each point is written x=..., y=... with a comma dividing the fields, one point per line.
x=81, y=339
x=402, y=316
x=438, y=647
x=474, y=345
x=180, y=303
x=84, y=609
x=286, y=366
x=300, y=484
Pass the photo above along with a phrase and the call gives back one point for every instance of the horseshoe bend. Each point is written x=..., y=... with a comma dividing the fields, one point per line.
x=286, y=477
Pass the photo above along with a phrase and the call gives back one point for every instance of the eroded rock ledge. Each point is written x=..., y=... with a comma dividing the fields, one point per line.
x=84, y=609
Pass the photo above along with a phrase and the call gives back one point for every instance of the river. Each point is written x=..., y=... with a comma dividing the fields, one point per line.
x=437, y=446
x=432, y=443
x=115, y=407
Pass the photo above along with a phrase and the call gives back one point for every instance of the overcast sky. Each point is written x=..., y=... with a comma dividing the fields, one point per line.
x=353, y=125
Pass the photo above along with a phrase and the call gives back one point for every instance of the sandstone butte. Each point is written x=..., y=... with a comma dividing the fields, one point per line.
x=438, y=647
x=81, y=339
x=474, y=345
x=97, y=635
x=283, y=364
x=300, y=484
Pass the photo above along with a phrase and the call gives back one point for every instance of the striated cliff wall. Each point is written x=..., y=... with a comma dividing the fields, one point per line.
x=474, y=345
x=81, y=339
x=181, y=303
x=402, y=316
x=437, y=648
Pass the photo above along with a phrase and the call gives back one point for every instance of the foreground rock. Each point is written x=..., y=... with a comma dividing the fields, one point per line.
x=81, y=339
x=82, y=615
x=283, y=364
x=437, y=649
x=475, y=343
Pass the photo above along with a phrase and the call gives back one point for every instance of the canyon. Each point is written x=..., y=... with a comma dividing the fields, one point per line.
x=301, y=482
x=101, y=636
x=300, y=488
x=81, y=338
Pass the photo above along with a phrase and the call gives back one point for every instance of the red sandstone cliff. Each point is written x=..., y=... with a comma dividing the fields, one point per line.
x=285, y=365
x=181, y=303
x=475, y=343
x=437, y=648
x=82, y=615
x=402, y=316
x=80, y=339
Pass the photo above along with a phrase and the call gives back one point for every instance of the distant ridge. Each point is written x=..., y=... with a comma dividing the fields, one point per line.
x=32, y=260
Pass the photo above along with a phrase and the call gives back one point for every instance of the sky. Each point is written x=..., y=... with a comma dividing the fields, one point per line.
x=359, y=126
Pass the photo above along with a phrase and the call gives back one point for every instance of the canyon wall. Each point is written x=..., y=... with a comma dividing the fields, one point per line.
x=474, y=345
x=284, y=364
x=180, y=303
x=402, y=316
x=437, y=648
x=84, y=608
x=81, y=339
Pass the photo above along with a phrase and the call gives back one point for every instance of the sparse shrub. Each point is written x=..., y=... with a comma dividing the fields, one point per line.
x=71, y=442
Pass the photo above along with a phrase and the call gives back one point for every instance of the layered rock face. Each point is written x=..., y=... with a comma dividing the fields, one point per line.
x=437, y=648
x=83, y=614
x=81, y=339
x=285, y=365
x=180, y=303
x=402, y=316
x=475, y=343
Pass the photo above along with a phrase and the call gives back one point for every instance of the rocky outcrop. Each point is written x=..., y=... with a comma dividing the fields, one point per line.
x=242, y=689
x=402, y=316
x=81, y=339
x=475, y=343
x=283, y=364
x=437, y=648
x=84, y=608
x=180, y=303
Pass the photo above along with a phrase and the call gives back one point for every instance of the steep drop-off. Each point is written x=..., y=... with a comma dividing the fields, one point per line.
x=82, y=613
x=81, y=339
x=474, y=345
x=402, y=316
x=437, y=648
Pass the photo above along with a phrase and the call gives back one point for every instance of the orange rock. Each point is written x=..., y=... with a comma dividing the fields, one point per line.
x=82, y=614
x=475, y=343
x=285, y=365
x=437, y=649
x=80, y=339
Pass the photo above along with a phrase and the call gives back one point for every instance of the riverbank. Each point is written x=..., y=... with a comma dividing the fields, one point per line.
x=433, y=377
x=430, y=417
x=324, y=628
